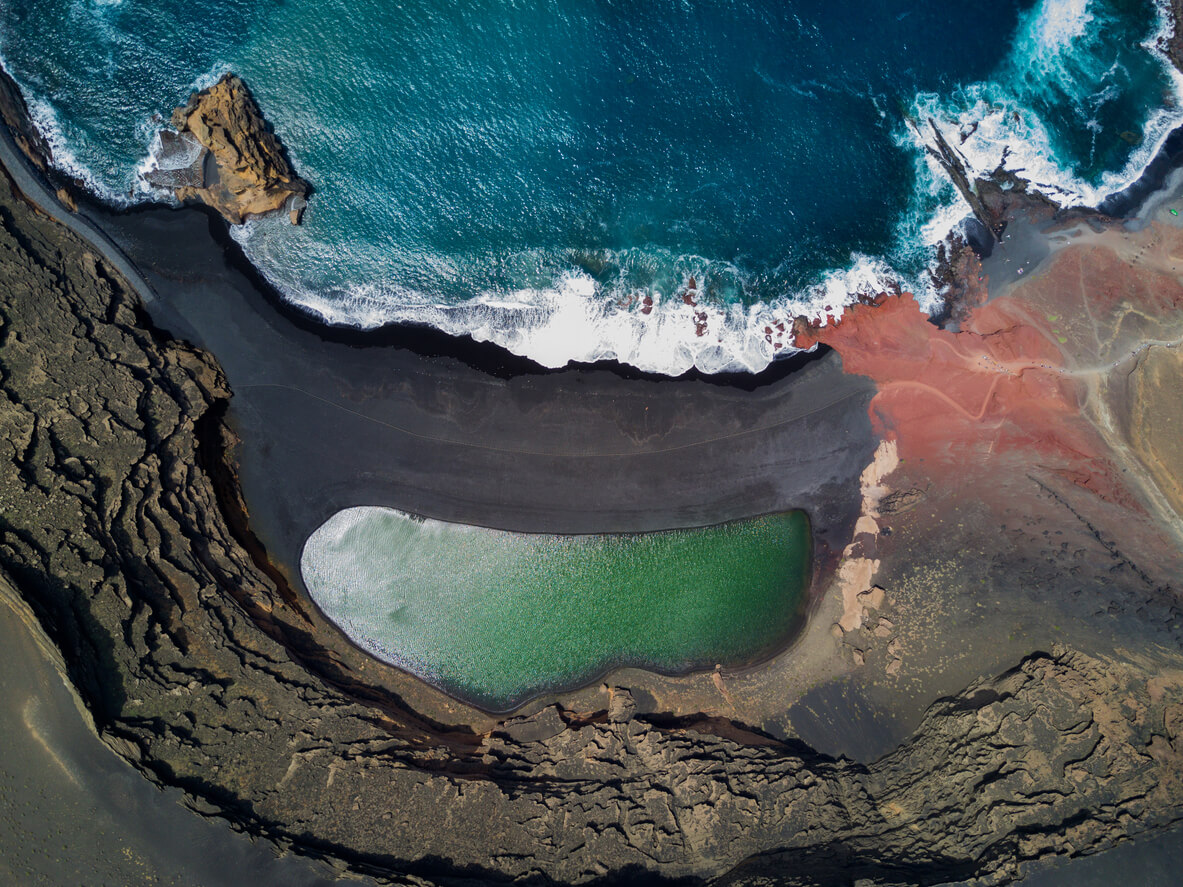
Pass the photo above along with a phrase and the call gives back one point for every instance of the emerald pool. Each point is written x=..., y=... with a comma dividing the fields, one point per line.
x=494, y=617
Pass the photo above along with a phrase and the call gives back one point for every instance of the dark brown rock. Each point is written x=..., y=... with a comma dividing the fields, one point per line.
x=15, y=115
x=1172, y=44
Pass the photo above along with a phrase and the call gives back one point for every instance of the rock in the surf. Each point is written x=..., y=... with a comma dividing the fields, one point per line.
x=222, y=152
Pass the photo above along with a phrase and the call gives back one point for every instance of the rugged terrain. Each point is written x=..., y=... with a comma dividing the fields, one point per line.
x=1016, y=561
x=113, y=530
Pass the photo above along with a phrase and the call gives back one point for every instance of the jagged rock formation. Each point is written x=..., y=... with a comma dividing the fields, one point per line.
x=990, y=198
x=15, y=114
x=223, y=154
x=955, y=169
x=189, y=652
x=1172, y=44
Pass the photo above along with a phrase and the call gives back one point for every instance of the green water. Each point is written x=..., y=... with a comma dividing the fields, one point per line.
x=495, y=617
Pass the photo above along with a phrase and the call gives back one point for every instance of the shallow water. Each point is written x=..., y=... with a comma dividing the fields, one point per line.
x=530, y=174
x=496, y=617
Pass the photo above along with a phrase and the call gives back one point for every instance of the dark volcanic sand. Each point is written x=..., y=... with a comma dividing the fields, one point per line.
x=328, y=420
x=73, y=813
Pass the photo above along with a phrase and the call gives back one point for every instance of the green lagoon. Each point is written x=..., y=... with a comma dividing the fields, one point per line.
x=494, y=617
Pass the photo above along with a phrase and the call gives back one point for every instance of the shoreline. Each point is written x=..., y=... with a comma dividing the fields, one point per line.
x=807, y=600
x=238, y=311
x=290, y=737
x=432, y=340
x=428, y=341
x=275, y=524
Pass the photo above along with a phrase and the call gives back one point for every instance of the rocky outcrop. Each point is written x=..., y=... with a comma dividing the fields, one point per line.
x=222, y=153
x=114, y=529
x=1172, y=42
x=956, y=170
x=991, y=198
x=15, y=114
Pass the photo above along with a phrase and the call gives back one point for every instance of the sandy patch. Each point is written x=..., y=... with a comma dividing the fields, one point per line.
x=857, y=569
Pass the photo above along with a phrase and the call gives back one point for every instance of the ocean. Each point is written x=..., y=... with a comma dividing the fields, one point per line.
x=553, y=177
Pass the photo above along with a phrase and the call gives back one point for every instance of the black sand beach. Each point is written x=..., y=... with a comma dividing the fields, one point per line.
x=332, y=418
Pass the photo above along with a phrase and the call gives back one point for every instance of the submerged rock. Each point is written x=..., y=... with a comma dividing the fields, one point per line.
x=223, y=153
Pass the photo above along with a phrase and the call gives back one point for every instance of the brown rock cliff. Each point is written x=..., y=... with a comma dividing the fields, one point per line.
x=241, y=169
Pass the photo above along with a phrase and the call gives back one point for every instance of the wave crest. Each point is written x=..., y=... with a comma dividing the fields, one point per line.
x=577, y=320
x=1065, y=55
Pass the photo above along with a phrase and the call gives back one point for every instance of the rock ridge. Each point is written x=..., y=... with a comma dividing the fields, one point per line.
x=222, y=152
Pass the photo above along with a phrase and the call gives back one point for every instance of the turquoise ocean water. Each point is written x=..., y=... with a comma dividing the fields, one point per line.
x=531, y=173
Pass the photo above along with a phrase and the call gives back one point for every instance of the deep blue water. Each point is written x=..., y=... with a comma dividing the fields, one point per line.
x=531, y=172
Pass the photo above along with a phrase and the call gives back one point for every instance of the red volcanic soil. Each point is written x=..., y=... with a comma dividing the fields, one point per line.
x=1045, y=416
x=960, y=401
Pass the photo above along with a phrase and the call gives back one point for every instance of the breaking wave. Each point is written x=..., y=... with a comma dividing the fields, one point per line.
x=1062, y=72
x=575, y=319
x=1079, y=104
x=1054, y=102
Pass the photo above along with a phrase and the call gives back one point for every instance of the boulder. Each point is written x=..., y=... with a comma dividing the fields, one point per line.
x=222, y=152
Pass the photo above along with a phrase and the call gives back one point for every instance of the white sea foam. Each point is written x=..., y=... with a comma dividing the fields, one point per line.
x=576, y=319
x=45, y=118
x=994, y=127
x=211, y=76
x=1059, y=22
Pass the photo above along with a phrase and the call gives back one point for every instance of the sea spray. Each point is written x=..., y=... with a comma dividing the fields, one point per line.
x=468, y=180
